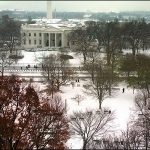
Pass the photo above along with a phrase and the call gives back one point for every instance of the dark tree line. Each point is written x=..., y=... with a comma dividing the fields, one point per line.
x=113, y=36
x=9, y=33
x=137, y=71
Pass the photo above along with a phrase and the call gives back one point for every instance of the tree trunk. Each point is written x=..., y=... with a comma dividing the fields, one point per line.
x=108, y=58
x=10, y=145
x=84, y=56
x=93, y=77
x=100, y=101
x=2, y=70
x=48, y=73
x=100, y=104
x=84, y=145
x=133, y=51
x=109, y=88
x=143, y=47
x=128, y=74
x=147, y=88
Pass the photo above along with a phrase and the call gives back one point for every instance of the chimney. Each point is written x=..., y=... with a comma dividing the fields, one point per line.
x=49, y=10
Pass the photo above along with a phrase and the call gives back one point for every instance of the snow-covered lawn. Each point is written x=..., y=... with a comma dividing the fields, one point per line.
x=121, y=103
x=34, y=57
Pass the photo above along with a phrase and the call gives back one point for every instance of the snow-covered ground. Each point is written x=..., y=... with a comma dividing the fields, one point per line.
x=34, y=57
x=121, y=103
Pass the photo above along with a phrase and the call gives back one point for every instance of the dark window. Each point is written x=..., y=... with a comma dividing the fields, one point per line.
x=40, y=42
x=34, y=42
x=24, y=34
x=34, y=34
x=40, y=34
x=29, y=34
x=29, y=41
x=24, y=42
x=67, y=43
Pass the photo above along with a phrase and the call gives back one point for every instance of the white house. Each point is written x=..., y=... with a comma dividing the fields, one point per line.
x=51, y=33
x=46, y=33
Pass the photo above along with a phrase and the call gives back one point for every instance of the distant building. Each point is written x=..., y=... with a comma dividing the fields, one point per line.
x=52, y=33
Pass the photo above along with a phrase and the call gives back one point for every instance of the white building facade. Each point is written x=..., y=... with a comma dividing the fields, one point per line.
x=41, y=35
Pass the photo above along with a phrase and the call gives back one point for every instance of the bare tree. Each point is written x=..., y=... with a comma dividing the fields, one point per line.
x=142, y=101
x=91, y=63
x=78, y=98
x=102, y=86
x=108, y=35
x=132, y=138
x=133, y=35
x=90, y=125
x=57, y=71
x=81, y=41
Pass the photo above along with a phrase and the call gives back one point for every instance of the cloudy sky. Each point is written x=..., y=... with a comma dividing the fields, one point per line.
x=94, y=6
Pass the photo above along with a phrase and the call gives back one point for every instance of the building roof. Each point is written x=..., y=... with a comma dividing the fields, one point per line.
x=50, y=25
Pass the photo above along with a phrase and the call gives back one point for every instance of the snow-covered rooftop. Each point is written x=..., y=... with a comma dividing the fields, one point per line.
x=48, y=21
x=48, y=24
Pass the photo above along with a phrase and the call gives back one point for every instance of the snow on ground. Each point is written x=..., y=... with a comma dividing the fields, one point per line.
x=121, y=103
x=34, y=57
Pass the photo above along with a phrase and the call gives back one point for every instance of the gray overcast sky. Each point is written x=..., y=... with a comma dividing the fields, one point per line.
x=94, y=6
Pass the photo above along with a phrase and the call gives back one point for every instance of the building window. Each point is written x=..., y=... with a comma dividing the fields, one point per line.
x=40, y=34
x=67, y=43
x=29, y=42
x=34, y=34
x=47, y=34
x=24, y=42
x=24, y=34
x=34, y=42
x=40, y=42
x=29, y=34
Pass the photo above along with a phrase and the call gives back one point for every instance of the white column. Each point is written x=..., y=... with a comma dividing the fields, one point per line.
x=62, y=40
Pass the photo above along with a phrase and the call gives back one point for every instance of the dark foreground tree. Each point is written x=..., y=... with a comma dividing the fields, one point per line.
x=28, y=121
